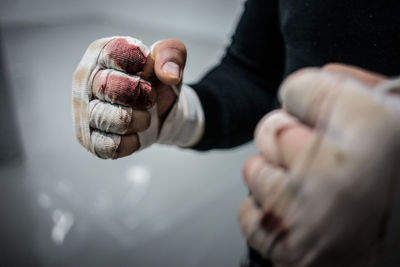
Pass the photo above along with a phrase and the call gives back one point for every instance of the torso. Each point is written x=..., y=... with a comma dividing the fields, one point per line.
x=361, y=33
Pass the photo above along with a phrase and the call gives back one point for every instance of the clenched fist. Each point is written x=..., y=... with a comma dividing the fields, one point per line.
x=124, y=93
x=322, y=183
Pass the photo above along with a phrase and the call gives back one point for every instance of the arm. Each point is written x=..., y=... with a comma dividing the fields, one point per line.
x=242, y=88
x=127, y=96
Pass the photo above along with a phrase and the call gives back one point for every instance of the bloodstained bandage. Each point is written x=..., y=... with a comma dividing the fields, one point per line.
x=119, y=88
x=125, y=54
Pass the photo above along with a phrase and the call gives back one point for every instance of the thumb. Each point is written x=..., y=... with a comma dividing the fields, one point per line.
x=169, y=60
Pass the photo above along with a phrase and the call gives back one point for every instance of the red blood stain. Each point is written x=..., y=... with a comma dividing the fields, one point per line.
x=281, y=236
x=273, y=223
x=101, y=82
x=126, y=118
x=144, y=99
x=126, y=91
x=126, y=56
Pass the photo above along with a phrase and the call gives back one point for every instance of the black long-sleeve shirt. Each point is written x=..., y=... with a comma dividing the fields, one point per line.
x=275, y=38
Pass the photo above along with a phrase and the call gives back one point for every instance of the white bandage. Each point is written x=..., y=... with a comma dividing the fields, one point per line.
x=183, y=126
x=109, y=117
x=104, y=145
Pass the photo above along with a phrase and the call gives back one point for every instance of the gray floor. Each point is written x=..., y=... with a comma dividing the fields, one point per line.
x=60, y=206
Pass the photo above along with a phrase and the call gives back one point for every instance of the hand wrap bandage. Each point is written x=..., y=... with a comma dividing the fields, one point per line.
x=329, y=208
x=99, y=122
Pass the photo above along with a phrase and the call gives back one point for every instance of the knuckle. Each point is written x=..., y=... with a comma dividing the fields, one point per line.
x=120, y=88
x=125, y=54
x=108, y=117
x=105, y=145
x=269, y=132
x=273, y=120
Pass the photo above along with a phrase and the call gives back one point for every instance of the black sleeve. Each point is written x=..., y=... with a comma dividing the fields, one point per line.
x=242, y=88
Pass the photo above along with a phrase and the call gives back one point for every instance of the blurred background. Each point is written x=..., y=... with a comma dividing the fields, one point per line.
x=61, y=206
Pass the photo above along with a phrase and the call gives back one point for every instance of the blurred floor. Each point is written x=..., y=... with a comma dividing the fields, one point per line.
x=60, y=206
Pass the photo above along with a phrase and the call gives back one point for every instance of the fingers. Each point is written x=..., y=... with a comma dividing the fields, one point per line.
x=169, y=60
x=125, y=54
x=129, y=144
x=249, y=216
x=114, y=129
x=104, y=145
x=312, y=95
x=365, y=77
x=117, y=87
x=253, y=223
x=270, y=197
x=116, y=82
x=112, y=146
x=110, y=71
x=117, y=119
x=282, y=139
x=264, y=180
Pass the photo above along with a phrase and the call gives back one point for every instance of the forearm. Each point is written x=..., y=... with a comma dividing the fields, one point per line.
x=232, y=103
x=242, y=88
